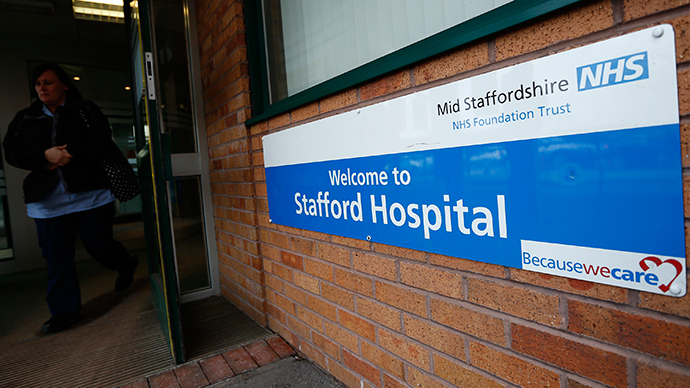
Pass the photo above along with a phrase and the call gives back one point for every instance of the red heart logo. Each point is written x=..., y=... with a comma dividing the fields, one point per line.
x=658, y=262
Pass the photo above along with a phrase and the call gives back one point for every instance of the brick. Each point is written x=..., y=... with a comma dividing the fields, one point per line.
x=407, y=350
x=633, y=9
x=374, y=265
x=651, y=376
x=351, y=242
x=303, y=246
x=681, y=27
x=276, y=313
x=341, y=336
x=685, y=143
x=451, y=64
x=337, y=101
x=323, y=308
x=392, y=365
x=664, y=304
x=191, y=376
x=511, y=368
x=435, y=336
x=319, y=269
x=296, y=294
x=269, y=251
x=258, y=128
x=306, y=282
x=336, y=295
x=459, y=375
x=305, y=112
x=314, y=235
x=258, y=158
x=239, y=360
x=279, y=121
x=313, y=354
x=577, y=384
x=419, y=379
x=573, y=286
x=328, y=346
x=343, y=375
x=433, y=280
x=262, y=353
x=287, y=229
x=278, y=239
x=282, y=330
x=299, y=327
x=401, y=298
x=385, y=85
x=379, y=313
x=310, y=318
x=684, y=92
x=358, y=325
x=285, y=304
x=516, y=301
x=274, y=283
x=405, y=253
x=292, y=260
x=469, y=321
x=281, y=347
x=361, y=367
x=164, y=380
x=392, y=382
x=659, y=338
x=282, y=272
x=354, y=282
x=686, y=195
x=606, y=367
x=468, y=265
x=334, y=254
x=574, y=23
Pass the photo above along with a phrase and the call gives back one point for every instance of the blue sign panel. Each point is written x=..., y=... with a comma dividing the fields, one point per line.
x=578, y=175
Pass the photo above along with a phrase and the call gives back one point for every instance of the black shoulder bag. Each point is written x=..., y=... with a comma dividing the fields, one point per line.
x=123, y=181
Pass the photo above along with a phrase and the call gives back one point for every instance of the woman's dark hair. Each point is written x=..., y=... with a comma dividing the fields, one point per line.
x=72, y=93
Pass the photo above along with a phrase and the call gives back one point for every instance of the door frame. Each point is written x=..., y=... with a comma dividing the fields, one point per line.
x=181, y=162
x=154, y=174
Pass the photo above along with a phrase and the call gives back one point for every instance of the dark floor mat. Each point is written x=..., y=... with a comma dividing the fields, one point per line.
x=98, y=355
x=214, y=324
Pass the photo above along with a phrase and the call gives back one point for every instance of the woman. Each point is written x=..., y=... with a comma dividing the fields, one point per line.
x=59, y=138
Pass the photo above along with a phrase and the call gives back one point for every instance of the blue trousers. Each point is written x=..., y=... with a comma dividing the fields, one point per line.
x=57, y=238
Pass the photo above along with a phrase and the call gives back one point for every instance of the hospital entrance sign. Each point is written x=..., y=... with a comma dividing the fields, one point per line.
x=567, y=165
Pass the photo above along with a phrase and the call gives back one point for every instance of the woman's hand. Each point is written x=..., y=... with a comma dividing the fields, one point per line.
x=57, y=156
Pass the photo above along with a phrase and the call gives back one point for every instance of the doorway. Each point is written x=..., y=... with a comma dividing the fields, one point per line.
x=96, y=46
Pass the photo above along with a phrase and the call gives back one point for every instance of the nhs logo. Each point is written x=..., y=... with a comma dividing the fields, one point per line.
x=612, y=72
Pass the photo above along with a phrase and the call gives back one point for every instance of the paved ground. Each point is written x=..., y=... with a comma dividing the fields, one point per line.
x=286, y=373
x=269, y=363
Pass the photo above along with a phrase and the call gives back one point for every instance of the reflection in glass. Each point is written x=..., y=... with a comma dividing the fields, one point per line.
x=188, y=224
x=173, y=75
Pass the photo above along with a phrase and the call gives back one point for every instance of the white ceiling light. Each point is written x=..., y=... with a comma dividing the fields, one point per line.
x=99, y=10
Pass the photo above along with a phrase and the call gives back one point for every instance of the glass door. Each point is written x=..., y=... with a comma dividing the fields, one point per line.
x=181, y=117
x=173, y=171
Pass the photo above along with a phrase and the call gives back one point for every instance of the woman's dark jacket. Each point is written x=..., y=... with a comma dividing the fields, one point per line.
x=80, y=125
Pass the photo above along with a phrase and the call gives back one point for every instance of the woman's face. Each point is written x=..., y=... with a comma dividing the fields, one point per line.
x=50, y=89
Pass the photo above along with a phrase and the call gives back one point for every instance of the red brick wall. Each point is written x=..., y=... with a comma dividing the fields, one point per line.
x=225, y=78
x=383, y=316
